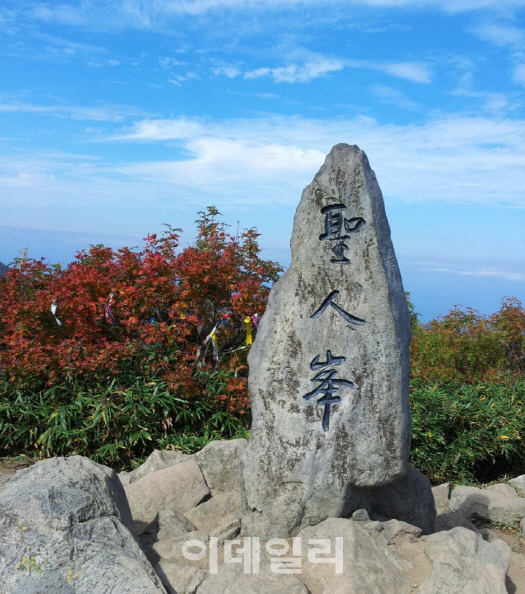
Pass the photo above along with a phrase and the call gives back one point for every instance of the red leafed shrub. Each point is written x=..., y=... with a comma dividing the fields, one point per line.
x=148, y=311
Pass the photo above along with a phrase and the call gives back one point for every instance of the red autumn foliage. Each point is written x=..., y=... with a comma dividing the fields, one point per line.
x=148, y=310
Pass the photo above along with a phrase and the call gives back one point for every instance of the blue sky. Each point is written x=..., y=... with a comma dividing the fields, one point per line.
x=117, y=117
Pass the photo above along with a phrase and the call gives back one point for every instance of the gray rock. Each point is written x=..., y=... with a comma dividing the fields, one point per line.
x=394, y=528
x=519, y=484
x=361, y=515
x=65, y=527
x=522, y=526
x=179, y=578
x=457, y=519
x=229, y=530
x=180, y=487
x=499, y=503
x=367, y=566
x=441, y=495
x=171, y=548
x=408, y=499
x=337, y=316
x=157, y=460
x=167, y=523
x=231, y=579
x=503, y=489
x=219, y=462
x=462, y=563
x=212, y=513
x=4, y=479
x=3, y=270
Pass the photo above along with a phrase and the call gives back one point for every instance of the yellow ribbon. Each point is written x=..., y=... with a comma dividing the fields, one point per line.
x=212, y=336
x=248, y=322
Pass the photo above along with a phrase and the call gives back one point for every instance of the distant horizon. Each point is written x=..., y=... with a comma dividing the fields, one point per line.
x=428, y=309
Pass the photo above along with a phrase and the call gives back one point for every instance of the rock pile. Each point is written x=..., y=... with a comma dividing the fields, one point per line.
x=66, y=527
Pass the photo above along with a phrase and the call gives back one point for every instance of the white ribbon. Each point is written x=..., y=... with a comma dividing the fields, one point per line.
x=53, y=311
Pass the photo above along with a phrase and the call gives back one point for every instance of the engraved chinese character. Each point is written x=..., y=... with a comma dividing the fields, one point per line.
x=329, y=301
x=335, y=229
x=327, y=384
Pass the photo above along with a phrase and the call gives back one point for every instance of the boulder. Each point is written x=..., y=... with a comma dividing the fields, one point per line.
x=179, y=578
x=216, y=511
x=367, y=566
x=499, y=503
x=65, y=526
x=408, y=499
x=463, y=563
x=4, y=479
x=519, y=484
x=220, y=465
x=441, y=495
x=455, y=519
x=171, y=548
x=231, y=579
x=393, y=529
x=157, y=460
x=180, y=487
x=329, y=368
x=167, y=523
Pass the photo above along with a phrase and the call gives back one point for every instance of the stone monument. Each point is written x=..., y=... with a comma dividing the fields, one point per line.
x=329, y=369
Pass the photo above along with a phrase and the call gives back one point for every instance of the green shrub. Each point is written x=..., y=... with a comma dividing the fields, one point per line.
x=466, y=433
x=469, y=347
x=113, y=425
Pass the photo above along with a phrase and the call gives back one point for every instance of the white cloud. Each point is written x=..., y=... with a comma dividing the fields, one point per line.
x=229, y=71
x=519, y=74
x=167, y=62
x=103, y=113
x=268, y=161
x=299, y=73
x=495, y=103
x=506, y=275
x=158, y=13
x=456, y=159
x=501, y=34
x=393, y=96
x=319, y=66
x=59, y=13
x=418, y=73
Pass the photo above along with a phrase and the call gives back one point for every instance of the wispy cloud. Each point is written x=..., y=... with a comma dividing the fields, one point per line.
x=154, y=13
x=298, y=72
x=501, y=34
x=416, y=72
x=519, y=74
x=393, y=96
x=456, y=159
x=494, y=103
x=102, y=113
x=506, y=275
x=305, y=71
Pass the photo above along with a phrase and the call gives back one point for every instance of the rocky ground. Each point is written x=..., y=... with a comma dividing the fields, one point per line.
x=70, y=525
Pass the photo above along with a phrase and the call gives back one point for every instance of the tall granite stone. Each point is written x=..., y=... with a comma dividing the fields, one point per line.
x=329, y=369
